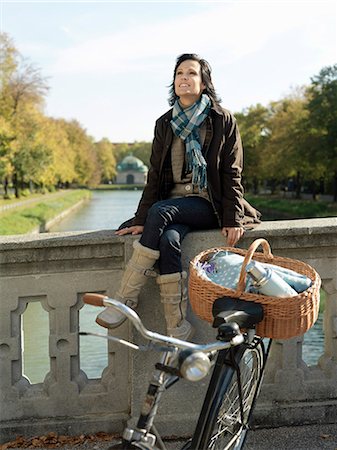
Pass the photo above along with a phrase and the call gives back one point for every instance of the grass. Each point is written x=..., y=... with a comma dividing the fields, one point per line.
x=293, y=208
x=322, y=302
x=119, y=187
x=12, y=199
x=23, y=219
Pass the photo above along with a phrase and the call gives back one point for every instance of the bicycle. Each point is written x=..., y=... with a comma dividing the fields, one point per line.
x=238, y=358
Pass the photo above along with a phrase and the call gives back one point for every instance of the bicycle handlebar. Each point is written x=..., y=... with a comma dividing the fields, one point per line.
x=94, y=299
x=103, y=300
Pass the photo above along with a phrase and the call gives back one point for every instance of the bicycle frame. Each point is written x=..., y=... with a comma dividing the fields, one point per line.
x=226, y=366
x=142, y=433
x=228, y=352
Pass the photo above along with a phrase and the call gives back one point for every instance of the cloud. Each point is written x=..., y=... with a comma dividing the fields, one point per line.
x=228, y=31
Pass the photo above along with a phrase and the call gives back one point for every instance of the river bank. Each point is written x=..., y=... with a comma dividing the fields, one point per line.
x=39, y=214
x=275, y=207
x=42, y=213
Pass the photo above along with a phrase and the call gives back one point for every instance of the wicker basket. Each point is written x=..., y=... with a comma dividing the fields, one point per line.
x=283, y=317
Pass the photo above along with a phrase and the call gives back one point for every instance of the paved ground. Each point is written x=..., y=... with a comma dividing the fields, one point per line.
x=309, y=437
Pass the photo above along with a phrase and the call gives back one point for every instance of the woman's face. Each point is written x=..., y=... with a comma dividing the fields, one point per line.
x=188, y=83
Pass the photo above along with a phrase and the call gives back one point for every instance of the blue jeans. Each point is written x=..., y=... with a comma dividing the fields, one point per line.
x=168, y=222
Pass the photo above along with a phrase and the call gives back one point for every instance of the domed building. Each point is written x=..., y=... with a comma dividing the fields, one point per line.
x=131, y=170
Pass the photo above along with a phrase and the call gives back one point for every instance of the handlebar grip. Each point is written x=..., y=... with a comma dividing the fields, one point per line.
x=94, y=299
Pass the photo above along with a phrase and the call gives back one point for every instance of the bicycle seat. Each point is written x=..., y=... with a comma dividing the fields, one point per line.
x=228, y=309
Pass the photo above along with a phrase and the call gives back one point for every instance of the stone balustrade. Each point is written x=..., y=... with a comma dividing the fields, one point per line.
x=56, y=269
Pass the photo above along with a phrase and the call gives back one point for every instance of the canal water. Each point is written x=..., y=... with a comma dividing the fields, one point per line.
x=106, y=211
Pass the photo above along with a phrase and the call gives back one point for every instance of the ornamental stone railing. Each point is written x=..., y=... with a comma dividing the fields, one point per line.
x=54, y=270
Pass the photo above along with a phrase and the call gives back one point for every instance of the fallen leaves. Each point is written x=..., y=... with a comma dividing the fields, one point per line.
x=54, y=440
x=325, y=436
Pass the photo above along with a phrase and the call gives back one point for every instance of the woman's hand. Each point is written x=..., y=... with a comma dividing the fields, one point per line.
x=135, y=229
x=232, y=234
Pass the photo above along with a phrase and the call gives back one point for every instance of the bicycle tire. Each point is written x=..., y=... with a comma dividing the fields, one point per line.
x=222, y=427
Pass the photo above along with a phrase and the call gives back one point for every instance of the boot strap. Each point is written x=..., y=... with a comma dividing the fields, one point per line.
x=132, y=304
x=151, y=273
x=174, y=299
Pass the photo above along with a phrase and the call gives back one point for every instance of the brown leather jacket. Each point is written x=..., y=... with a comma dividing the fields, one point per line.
x=223, y=153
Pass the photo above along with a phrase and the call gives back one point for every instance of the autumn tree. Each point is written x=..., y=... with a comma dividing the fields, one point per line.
x=8, y=64
x=86, y=163
x=22, y=92
x=106, y=159
x=62, y=170
x=32, y=157
x=6, y=138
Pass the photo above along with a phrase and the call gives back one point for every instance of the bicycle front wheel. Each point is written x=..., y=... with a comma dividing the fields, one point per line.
x=226, y=424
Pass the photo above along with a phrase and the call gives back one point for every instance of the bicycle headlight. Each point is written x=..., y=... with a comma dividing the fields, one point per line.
x=194, y=366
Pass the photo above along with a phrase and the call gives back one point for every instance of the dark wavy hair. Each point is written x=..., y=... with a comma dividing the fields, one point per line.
x=205, y=76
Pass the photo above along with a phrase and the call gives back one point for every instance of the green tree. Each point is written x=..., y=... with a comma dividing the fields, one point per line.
x=322, y=120
x=286, y=153
x=253, y=125
x=141, y=150
x=121, y=150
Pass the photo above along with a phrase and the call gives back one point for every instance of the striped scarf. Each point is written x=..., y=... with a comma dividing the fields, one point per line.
x=185, y=124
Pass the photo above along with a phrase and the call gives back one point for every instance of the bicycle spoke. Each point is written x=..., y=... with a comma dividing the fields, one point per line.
x=228, y=425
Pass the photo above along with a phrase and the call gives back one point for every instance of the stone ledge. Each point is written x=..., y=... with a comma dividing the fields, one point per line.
x=278, y=228
x=71, y=238
x=71, y=426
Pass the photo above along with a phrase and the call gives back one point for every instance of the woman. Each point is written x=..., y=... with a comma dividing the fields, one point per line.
x=194, y=183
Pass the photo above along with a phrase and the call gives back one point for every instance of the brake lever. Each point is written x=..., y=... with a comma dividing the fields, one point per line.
x=110, y=338
x=150, y=346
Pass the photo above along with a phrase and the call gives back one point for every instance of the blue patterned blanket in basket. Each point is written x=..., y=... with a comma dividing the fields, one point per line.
x=224, y=268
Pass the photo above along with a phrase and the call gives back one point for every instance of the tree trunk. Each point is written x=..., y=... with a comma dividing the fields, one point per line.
x=321, y=186
x=16, y=186
x=273, y=183
x=314, y=190
x=255, y=186
x=6, y=183
x=298, y=184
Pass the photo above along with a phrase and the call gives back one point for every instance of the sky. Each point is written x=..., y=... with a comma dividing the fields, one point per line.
x=109, y=63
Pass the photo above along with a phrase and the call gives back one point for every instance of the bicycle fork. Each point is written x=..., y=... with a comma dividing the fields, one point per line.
x=141, y=435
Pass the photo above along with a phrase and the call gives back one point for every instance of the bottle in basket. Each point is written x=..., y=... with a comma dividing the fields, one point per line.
x=267, y=282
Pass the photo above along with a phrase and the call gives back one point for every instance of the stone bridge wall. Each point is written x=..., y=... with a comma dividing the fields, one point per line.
x=56, y=269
